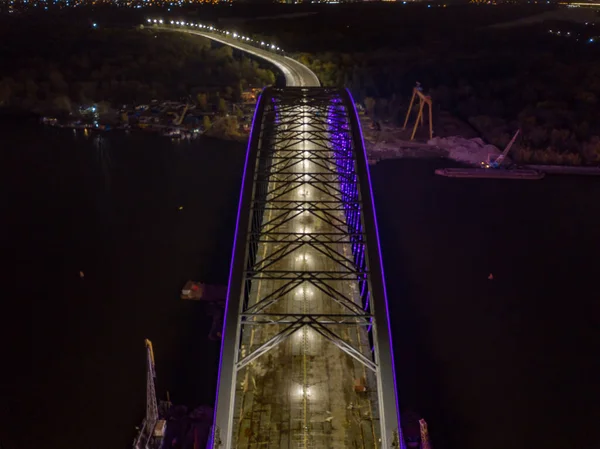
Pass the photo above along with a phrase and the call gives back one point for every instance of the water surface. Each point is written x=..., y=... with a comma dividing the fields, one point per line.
x=505, y=363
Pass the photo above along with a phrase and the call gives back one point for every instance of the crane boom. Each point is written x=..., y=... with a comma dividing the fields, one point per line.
x=152, y=432
x=500, y=158
x=424, y=435
x=151, y=404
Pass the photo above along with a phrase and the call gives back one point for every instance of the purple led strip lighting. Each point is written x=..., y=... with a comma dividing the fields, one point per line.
x=237, y=225
x=362, y=290
x=343, y=151
x=362, y=140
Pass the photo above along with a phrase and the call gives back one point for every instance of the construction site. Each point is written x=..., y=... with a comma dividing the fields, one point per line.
x=449, y=138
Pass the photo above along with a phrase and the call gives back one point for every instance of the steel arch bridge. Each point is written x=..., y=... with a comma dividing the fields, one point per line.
x=306, y=360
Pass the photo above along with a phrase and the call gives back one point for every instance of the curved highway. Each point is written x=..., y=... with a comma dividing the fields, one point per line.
x=296, y=74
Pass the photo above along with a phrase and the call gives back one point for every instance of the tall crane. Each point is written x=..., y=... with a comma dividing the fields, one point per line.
x=423, y=100
x=152, y=431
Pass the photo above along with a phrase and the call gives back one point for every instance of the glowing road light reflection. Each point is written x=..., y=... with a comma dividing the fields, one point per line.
x=303, y=258
x=304, y=292
x=305, y=230
x=303, y=391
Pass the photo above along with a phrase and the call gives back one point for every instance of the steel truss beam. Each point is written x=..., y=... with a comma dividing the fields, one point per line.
x=306, y=224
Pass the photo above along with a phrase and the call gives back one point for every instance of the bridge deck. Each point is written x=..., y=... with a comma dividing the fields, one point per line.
x=306, y=357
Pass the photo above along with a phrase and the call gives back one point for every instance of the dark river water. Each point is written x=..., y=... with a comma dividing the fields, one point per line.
x=495, y=364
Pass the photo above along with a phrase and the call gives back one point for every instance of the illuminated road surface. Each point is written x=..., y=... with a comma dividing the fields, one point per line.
x=296, y=74
x=301, y=393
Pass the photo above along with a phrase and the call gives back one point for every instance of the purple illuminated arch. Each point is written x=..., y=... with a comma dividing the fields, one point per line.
x=366, y=159
x=231, y=265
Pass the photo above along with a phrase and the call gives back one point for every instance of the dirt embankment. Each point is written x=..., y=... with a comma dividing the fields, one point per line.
x=453, y=140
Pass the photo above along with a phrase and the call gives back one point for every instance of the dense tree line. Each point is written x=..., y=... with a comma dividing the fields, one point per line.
x=497, y=80
x=56, y=68
x=553, y=102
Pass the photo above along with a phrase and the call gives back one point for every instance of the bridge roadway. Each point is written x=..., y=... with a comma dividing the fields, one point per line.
x=306, y=361
x=296, y=74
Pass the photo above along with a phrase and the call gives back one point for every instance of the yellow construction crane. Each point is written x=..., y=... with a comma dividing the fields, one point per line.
x=423, y=100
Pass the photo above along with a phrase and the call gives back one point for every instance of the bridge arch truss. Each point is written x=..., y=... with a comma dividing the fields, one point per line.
x=306, y=360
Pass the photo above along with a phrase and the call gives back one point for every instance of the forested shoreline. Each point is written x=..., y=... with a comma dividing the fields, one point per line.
x=542, y=78
x=63, y=68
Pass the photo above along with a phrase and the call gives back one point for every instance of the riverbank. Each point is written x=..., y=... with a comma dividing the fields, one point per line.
x=172, y=83
x=392, y=142
x=226, y=128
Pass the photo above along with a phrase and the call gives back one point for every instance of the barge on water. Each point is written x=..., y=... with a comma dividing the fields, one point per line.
x=490, y=173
